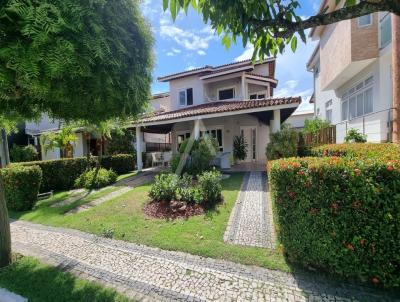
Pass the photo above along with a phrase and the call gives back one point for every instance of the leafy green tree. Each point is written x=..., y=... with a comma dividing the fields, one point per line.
x=23, y=153
x=313, y=126
x=121, y=142
x=271, y=25
x=283, y=143
x=75, y=60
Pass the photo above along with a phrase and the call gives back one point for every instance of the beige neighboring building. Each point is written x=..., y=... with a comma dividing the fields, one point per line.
x=298, y=118
x=352, y=67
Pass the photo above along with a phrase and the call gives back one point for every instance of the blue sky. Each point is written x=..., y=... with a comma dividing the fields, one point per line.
x=189, y=43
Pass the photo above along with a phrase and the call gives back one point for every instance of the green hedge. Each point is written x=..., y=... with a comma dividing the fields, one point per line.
x=21, y=186
x=341, y=215
x=120, y=163
x=60, y=174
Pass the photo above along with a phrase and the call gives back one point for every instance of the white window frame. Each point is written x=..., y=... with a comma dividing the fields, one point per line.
x=329, y=107
x=182, y=132
x=363, y=86
x=184, y=89
x=227, y=88
x=371, y=21
x=254, y=151
x=257, y=93
x=211, y=128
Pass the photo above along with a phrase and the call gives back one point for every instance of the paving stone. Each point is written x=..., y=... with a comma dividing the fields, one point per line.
x=7, y=296
x=150, y=274
x=251, y=221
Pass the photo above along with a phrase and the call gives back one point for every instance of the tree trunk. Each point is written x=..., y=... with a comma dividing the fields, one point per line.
x=396, y=77
x=5, y=235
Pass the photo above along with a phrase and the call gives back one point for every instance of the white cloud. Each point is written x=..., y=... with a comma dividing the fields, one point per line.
x=188, y=39
x=201, y=53
x=170, y=54
x=175, y=50
x=191, y=67
x=247, y=53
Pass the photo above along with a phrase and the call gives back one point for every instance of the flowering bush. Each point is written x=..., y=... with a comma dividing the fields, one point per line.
x=341, y=214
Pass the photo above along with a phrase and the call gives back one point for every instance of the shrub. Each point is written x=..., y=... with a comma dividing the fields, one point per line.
x=367, y=151
x=164, y=187
x=210, y=186
x=313, y=126
x=340, y=214
x=120, y=163
x=121, y=142
x=187, y=192
x=96, y=178
x=60, y=174
x=199, y=157
x=354, y=136
x=282, y=143
x=239, y=147
x=21, y=186
x=23, y=153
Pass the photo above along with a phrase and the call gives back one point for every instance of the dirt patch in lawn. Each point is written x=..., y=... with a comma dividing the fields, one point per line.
x=172, y=210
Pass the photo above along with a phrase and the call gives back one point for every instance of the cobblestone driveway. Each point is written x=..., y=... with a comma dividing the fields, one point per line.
x=150, y=274
x=251, y=222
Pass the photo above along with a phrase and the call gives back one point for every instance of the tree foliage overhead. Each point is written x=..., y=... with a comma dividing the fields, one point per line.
x=88, y=59
x=271, y=25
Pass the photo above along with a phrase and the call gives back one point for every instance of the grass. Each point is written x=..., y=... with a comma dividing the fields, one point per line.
x=41, y=283
x=201, y=235
x=127, y=175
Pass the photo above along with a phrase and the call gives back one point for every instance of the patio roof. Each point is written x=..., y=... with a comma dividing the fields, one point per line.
x=222, y=108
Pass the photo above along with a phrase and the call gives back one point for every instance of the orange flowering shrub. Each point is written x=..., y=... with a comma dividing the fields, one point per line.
x=341, y=214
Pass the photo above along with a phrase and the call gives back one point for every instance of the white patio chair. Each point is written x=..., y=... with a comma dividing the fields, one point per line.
x=167, y=157
x=156, y=159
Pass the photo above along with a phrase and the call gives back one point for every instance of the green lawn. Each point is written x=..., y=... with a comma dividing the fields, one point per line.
x=41, y=283
x=201, y=235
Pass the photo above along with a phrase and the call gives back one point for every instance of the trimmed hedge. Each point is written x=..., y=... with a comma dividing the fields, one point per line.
x=60, y=174
x=21, y=186
x=120, y=163
x=372, y=151
x=341, y=215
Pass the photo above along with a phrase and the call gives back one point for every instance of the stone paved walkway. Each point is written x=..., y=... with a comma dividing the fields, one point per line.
x=150, y=274
x=251, y=221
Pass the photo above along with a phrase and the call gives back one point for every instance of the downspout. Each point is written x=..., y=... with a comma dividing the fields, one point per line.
x=396, y=77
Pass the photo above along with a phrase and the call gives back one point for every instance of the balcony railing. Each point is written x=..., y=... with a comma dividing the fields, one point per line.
x=158, y=147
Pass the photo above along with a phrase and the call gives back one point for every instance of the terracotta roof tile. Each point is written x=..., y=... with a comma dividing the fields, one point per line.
x=218, y=107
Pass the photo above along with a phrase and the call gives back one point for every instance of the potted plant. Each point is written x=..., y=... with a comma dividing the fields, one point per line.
x=239, y=148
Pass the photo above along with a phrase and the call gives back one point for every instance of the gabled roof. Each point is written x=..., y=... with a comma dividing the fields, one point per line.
x=206, y=70
x=218, y=107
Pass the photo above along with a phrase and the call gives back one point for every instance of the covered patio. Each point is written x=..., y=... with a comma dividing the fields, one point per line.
x=223, y=120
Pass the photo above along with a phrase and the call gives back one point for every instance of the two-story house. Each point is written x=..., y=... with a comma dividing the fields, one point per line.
x=352, y=67
x=222, y=101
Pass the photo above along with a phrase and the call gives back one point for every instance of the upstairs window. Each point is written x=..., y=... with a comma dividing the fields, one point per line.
x=385, y=31
x=364, y=21
x=186, y=97
x=226, y=93
x=258, y=95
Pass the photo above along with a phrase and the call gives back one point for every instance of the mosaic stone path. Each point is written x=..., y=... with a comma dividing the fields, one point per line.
x=149, y=274
x=251, y=221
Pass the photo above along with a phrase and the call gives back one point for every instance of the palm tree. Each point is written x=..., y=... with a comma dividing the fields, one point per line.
x=64, y=140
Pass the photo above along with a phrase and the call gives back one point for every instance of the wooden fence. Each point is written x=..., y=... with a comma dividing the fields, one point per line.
x=324, y=136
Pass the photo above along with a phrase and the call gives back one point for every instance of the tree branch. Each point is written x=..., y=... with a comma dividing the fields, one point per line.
x=289, y=27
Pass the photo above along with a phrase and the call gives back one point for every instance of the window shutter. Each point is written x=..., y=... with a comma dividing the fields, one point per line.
x=189, y=96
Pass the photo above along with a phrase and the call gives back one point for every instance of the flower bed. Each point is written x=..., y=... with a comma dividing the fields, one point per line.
x=341, y=215
x=174, y=196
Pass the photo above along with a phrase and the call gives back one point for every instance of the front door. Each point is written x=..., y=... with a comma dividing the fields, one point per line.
x=250, y=136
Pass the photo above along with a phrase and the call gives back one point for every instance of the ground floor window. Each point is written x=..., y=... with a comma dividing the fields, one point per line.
x=181, y=138
x=358, y=100
x=214, y=133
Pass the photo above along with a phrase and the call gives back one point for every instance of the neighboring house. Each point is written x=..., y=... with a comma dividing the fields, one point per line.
x=352, y=68
x=297, y=119
x=223, y=101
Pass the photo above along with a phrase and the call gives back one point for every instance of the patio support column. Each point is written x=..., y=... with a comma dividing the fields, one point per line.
x=196, y=129
x=139, y=161
x=396, y=77
x=276, y=122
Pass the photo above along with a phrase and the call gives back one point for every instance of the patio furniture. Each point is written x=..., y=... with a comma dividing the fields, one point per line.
x=156, y=159
x=167, y=157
